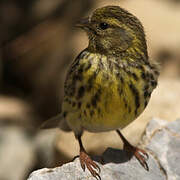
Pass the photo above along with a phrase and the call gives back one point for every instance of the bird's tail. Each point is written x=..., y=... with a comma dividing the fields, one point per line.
x=56, y=122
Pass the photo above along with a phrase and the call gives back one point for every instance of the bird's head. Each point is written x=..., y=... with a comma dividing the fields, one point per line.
x=113, y=30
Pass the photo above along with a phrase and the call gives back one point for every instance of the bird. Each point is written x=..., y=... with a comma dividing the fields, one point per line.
x=110, y=82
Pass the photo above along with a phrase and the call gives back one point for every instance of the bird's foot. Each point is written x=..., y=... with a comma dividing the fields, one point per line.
x=142, y=157
x=140, y=154
x=86, y=161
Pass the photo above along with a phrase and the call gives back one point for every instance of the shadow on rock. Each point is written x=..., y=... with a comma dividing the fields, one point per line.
x=112, y=155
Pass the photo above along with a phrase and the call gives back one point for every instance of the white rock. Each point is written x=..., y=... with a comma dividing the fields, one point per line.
x=162, y=142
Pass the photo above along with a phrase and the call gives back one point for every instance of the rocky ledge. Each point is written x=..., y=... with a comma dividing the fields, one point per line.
x=162, y=142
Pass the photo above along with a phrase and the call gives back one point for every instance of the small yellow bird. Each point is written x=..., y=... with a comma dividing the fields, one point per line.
x=110, y=82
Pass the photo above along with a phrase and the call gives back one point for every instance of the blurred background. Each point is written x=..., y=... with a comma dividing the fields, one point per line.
x=38, y=41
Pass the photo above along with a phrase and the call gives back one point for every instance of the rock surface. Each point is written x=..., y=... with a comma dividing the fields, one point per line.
x=162, y=141
x=165, y=147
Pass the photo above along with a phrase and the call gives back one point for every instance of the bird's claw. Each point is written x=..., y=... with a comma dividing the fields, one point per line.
x=142, y=157
x=86, y=161
x=140, y=154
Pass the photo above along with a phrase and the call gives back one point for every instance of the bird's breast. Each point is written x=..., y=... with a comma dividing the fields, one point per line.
x=105, y=95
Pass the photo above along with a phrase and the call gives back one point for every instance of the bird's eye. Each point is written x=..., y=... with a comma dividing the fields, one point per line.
x=103, y=25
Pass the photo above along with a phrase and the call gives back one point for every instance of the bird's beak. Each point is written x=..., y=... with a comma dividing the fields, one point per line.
x=83, y=23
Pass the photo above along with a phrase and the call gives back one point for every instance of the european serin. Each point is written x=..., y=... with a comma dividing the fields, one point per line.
x=110, y=82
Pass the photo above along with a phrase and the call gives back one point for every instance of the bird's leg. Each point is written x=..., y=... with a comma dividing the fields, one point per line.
x=140, y=154
x=86, y=161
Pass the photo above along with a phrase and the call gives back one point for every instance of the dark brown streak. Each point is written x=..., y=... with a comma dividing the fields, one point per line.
x=81, y=92
x=136, y=96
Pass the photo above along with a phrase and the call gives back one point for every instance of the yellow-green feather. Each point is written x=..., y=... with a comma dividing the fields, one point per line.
x=111, y=111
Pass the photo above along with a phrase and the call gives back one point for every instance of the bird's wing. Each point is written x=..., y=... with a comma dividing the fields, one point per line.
x=56, y=122
x=52, y=122
x=69, y=88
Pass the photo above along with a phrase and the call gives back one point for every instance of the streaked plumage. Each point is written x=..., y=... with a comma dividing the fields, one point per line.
x=110, y=83
x=105, y=93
